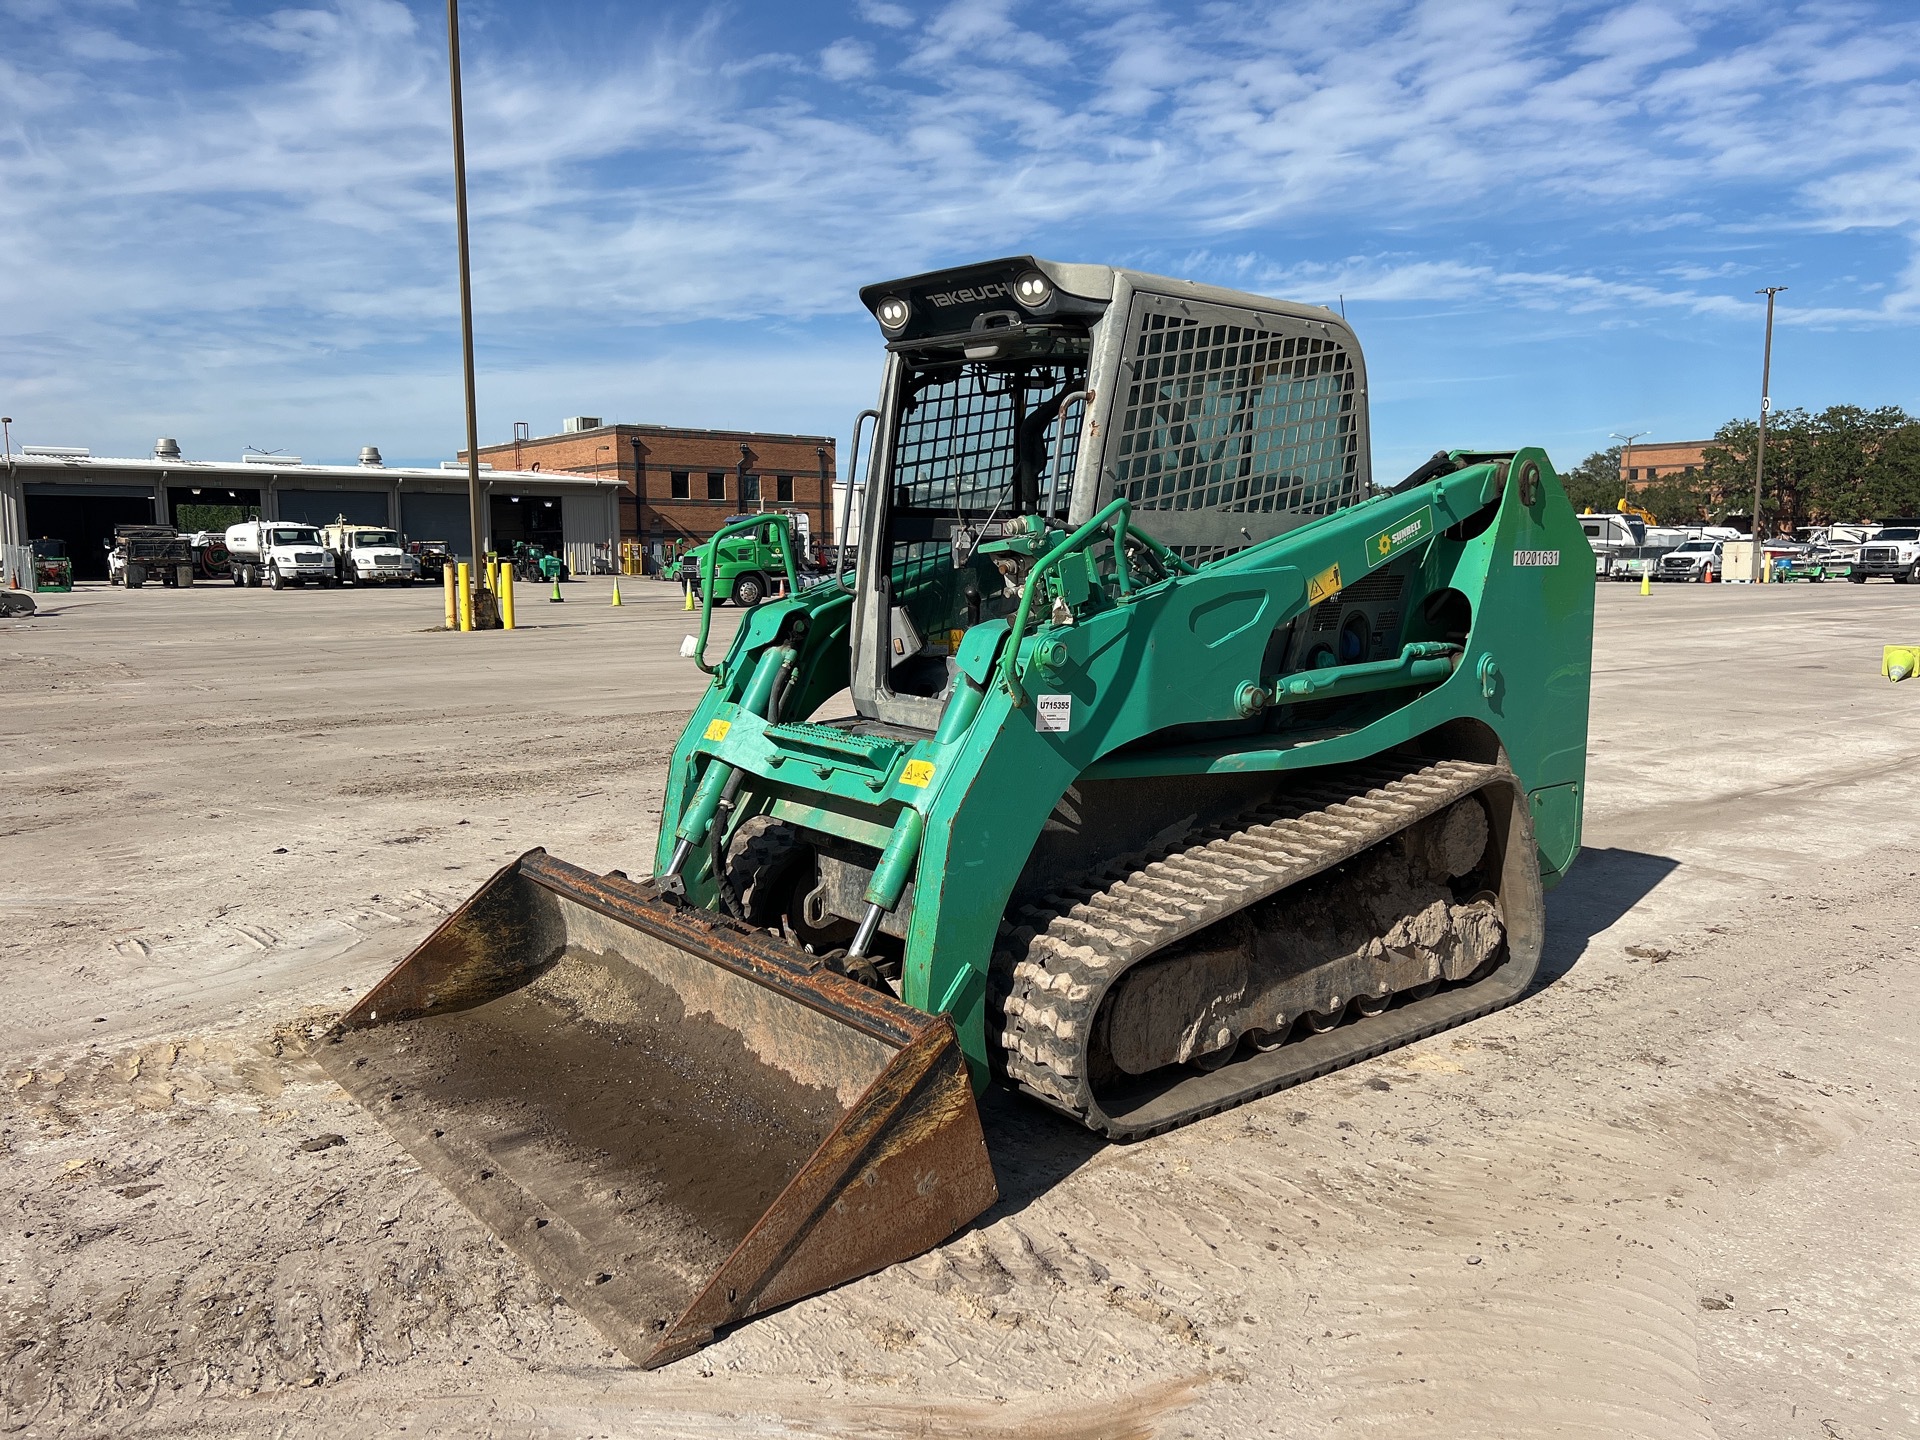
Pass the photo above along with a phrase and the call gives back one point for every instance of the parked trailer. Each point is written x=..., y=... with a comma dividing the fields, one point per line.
x=1611, y=535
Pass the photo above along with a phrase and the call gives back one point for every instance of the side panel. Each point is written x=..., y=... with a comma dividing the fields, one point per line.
x=1156, y=665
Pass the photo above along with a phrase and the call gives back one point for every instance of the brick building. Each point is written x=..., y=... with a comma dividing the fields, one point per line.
x=677, y=485
x=1641, y=465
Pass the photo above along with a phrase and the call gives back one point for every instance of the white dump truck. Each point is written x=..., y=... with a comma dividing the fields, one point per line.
x=369, y=554
x=279, y=552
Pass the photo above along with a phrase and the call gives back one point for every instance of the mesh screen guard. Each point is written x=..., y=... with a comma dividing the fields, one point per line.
x=957, y=444
x=1224, y=415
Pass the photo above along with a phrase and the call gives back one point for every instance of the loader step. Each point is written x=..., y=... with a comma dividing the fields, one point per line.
x=1059, y=960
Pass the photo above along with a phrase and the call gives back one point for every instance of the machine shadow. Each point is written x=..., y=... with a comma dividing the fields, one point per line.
x=1034, y=1149
x=1603, y=886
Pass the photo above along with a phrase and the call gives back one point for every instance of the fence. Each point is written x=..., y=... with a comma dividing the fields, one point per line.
x=16, y=567
x=586, y=557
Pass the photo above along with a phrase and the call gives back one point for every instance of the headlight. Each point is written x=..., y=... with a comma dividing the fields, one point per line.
x=1033, y=289
x=892, y=314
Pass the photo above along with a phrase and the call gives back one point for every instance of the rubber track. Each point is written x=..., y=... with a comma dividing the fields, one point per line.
x=1057, y=961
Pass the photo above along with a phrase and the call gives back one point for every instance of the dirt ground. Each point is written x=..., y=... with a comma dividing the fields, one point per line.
x=1669, y=1194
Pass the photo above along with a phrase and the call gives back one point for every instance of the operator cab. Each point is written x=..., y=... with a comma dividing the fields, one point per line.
x=1021, y=395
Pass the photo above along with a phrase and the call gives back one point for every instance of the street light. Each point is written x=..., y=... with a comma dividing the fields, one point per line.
x=1766, y=405
x=1626, y=460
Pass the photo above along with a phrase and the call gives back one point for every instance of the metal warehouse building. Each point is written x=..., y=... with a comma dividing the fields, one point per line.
x=72, y=495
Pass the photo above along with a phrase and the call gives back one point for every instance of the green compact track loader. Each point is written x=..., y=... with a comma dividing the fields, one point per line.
x=1151, y=760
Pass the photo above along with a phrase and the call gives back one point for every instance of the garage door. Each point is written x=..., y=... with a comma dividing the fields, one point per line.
x=436, y=517
x=323, y=507
x=84, y=517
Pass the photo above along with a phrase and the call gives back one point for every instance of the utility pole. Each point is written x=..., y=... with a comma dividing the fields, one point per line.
x=1766, y=405
x=483, y=598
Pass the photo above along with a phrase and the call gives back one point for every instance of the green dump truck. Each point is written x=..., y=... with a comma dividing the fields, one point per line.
x=747, y=562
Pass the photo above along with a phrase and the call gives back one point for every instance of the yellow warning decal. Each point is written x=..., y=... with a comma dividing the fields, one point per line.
x=717, y=729
x=917, y=774
x=1324, y=586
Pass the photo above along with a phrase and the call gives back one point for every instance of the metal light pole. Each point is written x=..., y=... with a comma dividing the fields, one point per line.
x=1626, y=460
x=483, y=598
x=1766, y=404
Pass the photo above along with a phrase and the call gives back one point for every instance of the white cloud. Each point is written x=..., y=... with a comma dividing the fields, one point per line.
x=846, y=60
x=292, y=203
x=89, y=43
x=879, y=12
x=1636, y=36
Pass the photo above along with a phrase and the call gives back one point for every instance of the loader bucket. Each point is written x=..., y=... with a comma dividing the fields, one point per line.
x=668, y=1115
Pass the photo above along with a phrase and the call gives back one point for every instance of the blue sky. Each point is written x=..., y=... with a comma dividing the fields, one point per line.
x=232, y=223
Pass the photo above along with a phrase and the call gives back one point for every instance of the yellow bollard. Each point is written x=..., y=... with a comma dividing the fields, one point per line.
x=1899, y=662
x=1646, y=582
x=453, y=608
x=616, y=590
x=506, y=597
x=465, y=585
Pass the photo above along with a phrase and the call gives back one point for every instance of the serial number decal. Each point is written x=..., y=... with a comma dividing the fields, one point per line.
x=717, y=729
x=1053, y=714
x=917, y=774
x=1410, y=531
x=1543, y=559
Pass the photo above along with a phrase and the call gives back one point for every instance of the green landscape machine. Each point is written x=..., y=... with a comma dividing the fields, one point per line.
x=52, y=566
x=536, y=562
x=1152, y=759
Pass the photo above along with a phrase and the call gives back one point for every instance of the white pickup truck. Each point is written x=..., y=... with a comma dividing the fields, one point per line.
x=280, y=552
x=1893, y=553
x=369, y=554
x=1697, y=559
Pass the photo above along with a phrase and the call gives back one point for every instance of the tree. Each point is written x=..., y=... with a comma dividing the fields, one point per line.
x=1675, y=499
x=1728, y=471
x=1848, y=460
x=1846, y=463
x=1890, y=485
x=1595, y=483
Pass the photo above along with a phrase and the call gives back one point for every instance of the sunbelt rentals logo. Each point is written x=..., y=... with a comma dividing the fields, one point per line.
x=1391, y=541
